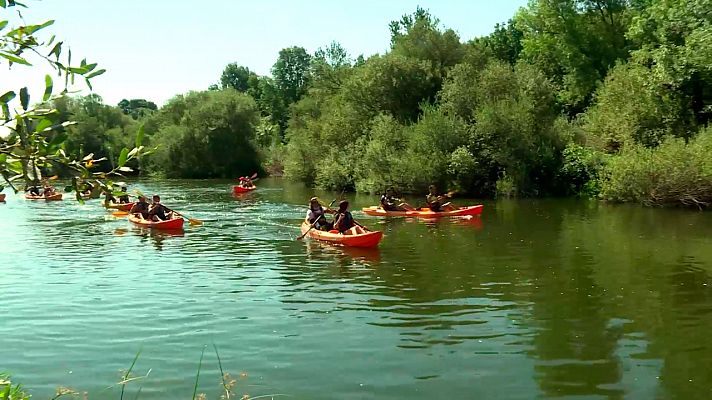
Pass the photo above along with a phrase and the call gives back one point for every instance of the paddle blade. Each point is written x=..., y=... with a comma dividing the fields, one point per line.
x=254, y=176
x=119, y=214
x=195, y=221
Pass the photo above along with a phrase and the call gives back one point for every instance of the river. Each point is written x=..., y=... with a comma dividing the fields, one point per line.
x=534, y=299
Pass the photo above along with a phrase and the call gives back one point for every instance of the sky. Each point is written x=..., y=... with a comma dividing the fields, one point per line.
x=156, y=49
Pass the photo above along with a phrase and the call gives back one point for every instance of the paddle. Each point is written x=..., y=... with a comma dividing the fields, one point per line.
x=192, y=221
x=119, y=214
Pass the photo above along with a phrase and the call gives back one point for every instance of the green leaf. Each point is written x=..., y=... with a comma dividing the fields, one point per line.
x=67, y=189
x=24, y=98
x=14, y=58
x=139, y=136
x=48, y=88
x=43, y=124
x=9, y=95
x=56, y=50
x=96, y=73
x=3, y=3
x=123, y=156
x=3, y=24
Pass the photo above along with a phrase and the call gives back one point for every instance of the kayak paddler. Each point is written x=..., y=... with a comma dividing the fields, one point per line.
x=140, y=208
x=391, y=203
x=316, y=213
x=436, y=202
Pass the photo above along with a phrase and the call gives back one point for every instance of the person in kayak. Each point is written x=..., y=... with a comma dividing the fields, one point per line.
x=436, y=202
x=47, y=189
x=108, y=197
x=343, y=220
x=159, y=212
x=316, y=213
x=391, y=203
x=140, y=208
x=124, y=198
x=34, y=190
x=246, y=182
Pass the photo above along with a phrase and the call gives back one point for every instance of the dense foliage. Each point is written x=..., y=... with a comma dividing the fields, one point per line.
x=568, y=97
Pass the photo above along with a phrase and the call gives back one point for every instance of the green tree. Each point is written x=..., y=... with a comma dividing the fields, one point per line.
x=418, y=36
x=291, y=73
x=212, y=138
x=137, y=108
x=674, y=41
x=575, y=42
x=237, y=77
x=505, y=43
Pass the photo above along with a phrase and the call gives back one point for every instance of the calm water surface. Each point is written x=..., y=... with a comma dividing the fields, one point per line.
x=535, y=299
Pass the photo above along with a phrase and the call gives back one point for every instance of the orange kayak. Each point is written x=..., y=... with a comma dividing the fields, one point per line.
x=424, y=212
x=56, y=196
x=172, y=224
x=242, y=189
x=119, y=206
x=354, y=237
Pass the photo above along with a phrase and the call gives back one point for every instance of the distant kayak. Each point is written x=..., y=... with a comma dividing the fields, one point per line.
x=119, y=206
x=56, y=196
x=354, y=237
x=2, y=197
x=172, y=224
x=242, y=189
x=424, y=213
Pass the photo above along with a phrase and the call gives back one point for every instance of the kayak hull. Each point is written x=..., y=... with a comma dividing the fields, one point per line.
x=119, y=206
x=424, y=213
x=2, y=197
x=54, y=197
x=171, y=224
x=240, y=189
x=351, y=238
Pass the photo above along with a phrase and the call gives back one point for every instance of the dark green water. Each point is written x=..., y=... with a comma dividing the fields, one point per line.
x=537, y=299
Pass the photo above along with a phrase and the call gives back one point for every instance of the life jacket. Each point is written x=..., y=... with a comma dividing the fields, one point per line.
x=346, y=220
x=316, y=214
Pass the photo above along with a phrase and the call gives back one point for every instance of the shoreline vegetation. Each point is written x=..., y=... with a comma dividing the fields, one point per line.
x=607, y=100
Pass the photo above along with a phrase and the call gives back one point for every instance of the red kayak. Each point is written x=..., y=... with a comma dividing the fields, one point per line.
x=119, y=206
x=2, y=197
x=242, y=189
x=354, y=237
x=172, y=224
x=424, y=212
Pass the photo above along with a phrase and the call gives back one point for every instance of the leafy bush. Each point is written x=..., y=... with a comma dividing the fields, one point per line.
x=674, y=173
x=214, y=137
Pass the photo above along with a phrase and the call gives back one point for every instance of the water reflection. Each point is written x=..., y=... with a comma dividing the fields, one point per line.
x=157, y=237
x=341, y=254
